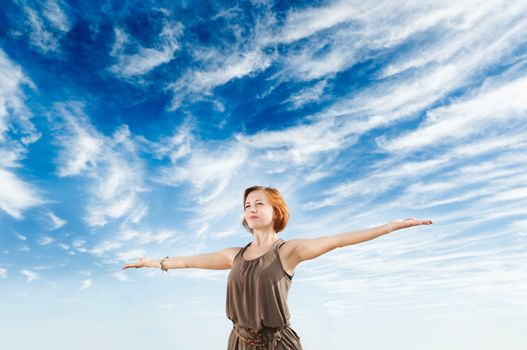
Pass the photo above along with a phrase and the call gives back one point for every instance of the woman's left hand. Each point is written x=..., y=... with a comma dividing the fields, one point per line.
x=400, y=224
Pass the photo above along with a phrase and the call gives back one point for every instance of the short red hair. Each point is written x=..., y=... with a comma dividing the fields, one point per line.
x=277, y=202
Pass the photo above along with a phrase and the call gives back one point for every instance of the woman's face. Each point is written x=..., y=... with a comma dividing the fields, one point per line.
x=258, y=212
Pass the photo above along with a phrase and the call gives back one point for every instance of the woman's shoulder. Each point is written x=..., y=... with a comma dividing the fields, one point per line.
x=231, y=252
x=286, y=247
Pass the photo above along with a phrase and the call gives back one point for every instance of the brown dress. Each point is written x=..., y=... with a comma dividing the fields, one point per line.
x=257, y=302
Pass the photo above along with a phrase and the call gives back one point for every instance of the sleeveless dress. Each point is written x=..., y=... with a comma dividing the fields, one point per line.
x=257, y=303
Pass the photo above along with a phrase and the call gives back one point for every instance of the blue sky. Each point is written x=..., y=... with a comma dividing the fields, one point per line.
x=131, y=129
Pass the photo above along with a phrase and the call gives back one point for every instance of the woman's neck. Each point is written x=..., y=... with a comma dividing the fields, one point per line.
x=263, y=238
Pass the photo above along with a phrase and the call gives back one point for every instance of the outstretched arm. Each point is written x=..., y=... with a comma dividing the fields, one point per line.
x=221, y=260
x=307, y=249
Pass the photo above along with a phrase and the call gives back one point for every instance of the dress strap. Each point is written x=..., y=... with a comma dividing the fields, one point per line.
x=277, y=252
x=240, y=252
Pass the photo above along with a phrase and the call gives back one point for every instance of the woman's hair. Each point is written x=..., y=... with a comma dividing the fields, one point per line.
x=277, y=202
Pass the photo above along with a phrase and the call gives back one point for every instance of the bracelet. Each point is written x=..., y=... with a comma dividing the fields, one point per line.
x=163, y=268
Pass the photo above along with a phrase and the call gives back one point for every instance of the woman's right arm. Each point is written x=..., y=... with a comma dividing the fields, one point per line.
x=221, y=260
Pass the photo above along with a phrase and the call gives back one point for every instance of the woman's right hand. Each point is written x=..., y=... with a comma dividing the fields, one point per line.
x=140, y=263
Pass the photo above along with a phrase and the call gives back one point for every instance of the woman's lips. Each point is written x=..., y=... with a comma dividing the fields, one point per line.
x=253, y=217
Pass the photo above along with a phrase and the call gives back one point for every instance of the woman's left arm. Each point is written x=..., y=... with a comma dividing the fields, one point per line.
x=307, y=249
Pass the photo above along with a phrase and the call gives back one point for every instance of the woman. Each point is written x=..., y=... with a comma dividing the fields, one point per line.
x=262, y=271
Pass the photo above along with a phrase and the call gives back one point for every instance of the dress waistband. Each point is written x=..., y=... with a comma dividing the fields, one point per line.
x=265, y=337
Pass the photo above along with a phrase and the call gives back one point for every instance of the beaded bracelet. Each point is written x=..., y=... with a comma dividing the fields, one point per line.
x=163, y=268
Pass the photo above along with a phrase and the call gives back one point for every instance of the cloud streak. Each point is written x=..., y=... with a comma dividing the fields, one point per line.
x=144, y=59
x=111, y=163
x=17, y=195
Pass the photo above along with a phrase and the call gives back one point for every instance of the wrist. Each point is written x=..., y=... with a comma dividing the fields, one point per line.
x=390, y=227
x=162, y=264
x=152, y=263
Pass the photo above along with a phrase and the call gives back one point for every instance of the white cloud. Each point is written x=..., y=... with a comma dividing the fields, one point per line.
x=493, y=107
x=206, y=167
x=434, y=265
x=174, y=146
x=55, y=15
x=23, y=248
x=131, y=255
x=238, y=67
x=86, y=283
x=78, y=243
x=3, y=273
x=111, y=163
x=144, y=59
x=309, y=95
x=121, y=276
x=40, y=37
x=12, y=97
x=304, y=23
x=143, y=237
x=46, y=25
x=84, y=144
x=46, y=240
x=30, y=275
x=20, y=236
x=221, y=69
x=17, y=195
x=105, y=246
x=302, y=144
x=56, y=222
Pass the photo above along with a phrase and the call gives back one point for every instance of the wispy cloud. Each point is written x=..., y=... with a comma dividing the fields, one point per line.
x=3, y=273
x=435, y=266
x=144, y=59
x=17, y=194
x=301, y=24
x=54, y=13
x=309, y=95
x=56, y=222
x=78, y=244
x=46, y=240
x=495, y=105
x=111, y=163
x=86, y=283
x=46, y=25
x=142, y=237
x=105, y=246
x=23, y=248
x=20, y=236
x=131, y=255
x=30, y=275
x=121, y=276
x=197, y=84
x=64, y=246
